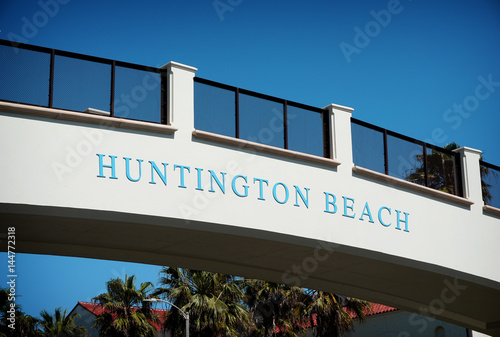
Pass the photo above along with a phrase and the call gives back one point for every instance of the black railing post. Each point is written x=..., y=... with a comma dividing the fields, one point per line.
x=237, y=112
x=386, y=155
x=285, y=124
x=112, y=94
x=326, y=134
x=51, y=78
x=163, y=98
x=426, y=174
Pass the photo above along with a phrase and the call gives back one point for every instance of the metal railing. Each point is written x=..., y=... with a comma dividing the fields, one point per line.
x=403, y=157
x=260, y=118
x=490, y=183
x=65, y=80
x=59, y=79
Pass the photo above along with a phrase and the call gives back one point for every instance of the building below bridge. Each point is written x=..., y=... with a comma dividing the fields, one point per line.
x=89, y=311
x=382, y=320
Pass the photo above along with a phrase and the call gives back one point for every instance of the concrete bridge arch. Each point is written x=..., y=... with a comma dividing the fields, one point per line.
x=101, y=187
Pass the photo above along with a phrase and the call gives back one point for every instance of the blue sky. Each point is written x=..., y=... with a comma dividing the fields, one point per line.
x=427, y=69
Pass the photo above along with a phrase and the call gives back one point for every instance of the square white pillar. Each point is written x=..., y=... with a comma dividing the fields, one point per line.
x=471, y=175
x=340, y=136
x=180, y=97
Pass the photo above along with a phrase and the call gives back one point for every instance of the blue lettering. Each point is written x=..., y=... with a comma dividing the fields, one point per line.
x=240, y=188
x=366, y=211
x=405, y=221
x=298, y=193
x=182, y=167
x=127, y=169
x=102, y=166
x=276, y=196
x=261, y=192
x=198, y=171
x=351, y=207
x=329, y=203
x=163, y=176
x=380, y=216
x=222, y=185
x=245, y=187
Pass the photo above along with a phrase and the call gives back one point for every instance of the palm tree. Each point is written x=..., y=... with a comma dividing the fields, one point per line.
x=332, y=315
x=485, y=187
x=60, y=324
x=441, y=172
x=28, y=326
x=125, y=313
x=4, y=307
x=214, y=302
x=25, y=325
x=277, y=309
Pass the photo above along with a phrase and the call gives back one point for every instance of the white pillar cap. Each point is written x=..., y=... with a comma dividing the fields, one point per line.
x=177, y=65
x=468, y=149
x=334, y=106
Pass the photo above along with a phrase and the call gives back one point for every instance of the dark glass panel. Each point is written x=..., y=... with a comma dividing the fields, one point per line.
x=214, y=109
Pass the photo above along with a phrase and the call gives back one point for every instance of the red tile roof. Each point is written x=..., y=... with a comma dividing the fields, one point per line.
x=376, y=309
x=98, y=309
x=380, y=309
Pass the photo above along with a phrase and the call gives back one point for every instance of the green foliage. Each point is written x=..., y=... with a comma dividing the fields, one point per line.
x=125, y=313
x=25, y=325
x=222, y=305
x=218, y=305
x=333, y=313
x=214, y=302
x=440, y=170
x=61, y=325
x=441, y=173
x=277, y=309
